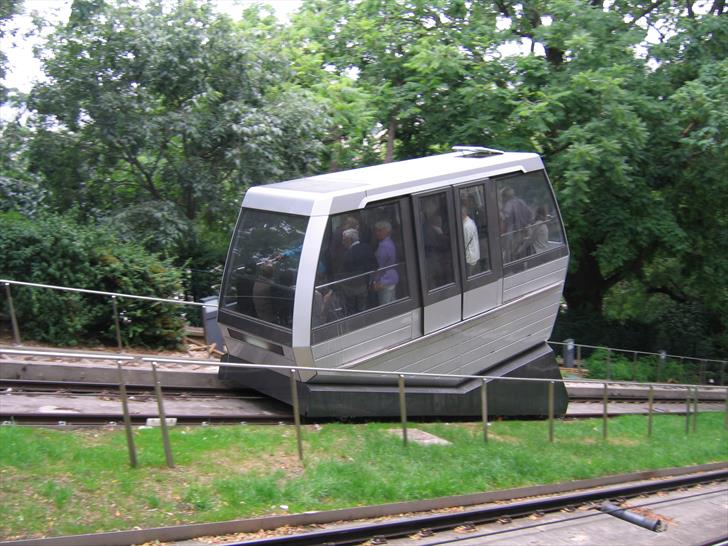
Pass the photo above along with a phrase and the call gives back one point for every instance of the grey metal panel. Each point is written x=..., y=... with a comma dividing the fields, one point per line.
x=517, y=285
x=359, y=343
x=305, y=282
x=483, y=298
x=492, y=327
x=443, y=313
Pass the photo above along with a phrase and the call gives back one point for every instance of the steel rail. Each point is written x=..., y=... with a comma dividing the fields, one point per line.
x=186, y=532
x=572, y=519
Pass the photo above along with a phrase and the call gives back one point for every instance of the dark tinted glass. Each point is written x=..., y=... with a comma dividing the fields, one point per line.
x=436, y=221
x=361, y=263
x=260, y=279
x=529, y=222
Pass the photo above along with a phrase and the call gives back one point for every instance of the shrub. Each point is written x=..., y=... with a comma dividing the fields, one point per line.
x=56, y=250
x=645, y=369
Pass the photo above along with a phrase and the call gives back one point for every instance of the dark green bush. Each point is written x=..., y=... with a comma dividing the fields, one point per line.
x=645, y=369
x=56, y=250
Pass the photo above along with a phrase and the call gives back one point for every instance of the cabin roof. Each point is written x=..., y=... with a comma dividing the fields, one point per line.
x=347, y=190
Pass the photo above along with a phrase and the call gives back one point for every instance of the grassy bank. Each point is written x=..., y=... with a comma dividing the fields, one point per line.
x=66, y=482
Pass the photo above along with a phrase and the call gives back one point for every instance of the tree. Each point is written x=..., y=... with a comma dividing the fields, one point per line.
x=169, y=109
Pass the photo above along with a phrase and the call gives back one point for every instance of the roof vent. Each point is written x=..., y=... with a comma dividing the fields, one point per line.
x=476, y=151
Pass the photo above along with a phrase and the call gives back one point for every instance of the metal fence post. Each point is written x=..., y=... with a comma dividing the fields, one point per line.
x=605, y=413
x=551, y=411
x=403, y=408
x=127, y=418
x=568, y=353
x=162, y=417
x=116, y=324
x=13, y=318
x=687, y=410
x=725, y=417
x=578, y=357
x=296, y=414
x=651, y=401
x=696, y=394
x=484, y=406
x=634, y=366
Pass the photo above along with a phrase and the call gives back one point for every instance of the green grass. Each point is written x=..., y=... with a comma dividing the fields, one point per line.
x=65, y=482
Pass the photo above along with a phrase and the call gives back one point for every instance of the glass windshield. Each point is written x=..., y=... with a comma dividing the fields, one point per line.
x=260, y=277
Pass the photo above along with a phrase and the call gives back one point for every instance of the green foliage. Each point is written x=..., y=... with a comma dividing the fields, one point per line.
x=644, y=369
x=56, y=250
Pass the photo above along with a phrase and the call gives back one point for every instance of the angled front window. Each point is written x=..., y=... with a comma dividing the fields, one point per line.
x=260, y=279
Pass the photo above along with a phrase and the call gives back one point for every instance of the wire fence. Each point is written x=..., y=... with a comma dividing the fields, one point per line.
x=691, y=394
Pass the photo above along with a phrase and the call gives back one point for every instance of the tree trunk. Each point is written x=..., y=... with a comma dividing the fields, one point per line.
x=391, y=134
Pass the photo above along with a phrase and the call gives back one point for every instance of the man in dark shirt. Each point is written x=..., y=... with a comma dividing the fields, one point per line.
x=358, y=261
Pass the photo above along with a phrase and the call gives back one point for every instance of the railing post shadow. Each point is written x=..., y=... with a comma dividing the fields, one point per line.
x=13, y=317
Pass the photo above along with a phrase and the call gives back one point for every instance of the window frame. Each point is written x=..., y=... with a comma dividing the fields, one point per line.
x=344, y=325
x=534, y=260
x=496, y=258
x=454, y=288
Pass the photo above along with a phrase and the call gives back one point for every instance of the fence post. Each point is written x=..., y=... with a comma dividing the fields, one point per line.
x=403, y=408
x=687, y=410
x=484, y=406
x=127, y=418
x=722, y=373
x=568, y=353
x=551, y=411
x=13, y=318
x=162, y=417
x=578, y=357
x=116, y=324
x=651, y=401
x=296, y=414
x=634, y=366
x=605, y=415
x=725, y=417
x=696, y=394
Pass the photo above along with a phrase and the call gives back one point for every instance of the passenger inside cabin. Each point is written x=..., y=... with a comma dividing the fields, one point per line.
x=384, y=282
x=516, y=217
x=472, y=242
x=540, y=230
x=358, y=262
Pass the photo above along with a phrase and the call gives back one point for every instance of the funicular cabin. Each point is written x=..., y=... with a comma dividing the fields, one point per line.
x=450, y=264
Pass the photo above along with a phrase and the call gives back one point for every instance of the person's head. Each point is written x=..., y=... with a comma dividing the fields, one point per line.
x=349, y=237
x=507, y=194
x=350, y=222
x=542, y=213
x=464, y=212
x=382, y=229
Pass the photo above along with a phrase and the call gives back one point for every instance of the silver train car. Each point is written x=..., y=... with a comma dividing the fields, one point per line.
x=452, y=264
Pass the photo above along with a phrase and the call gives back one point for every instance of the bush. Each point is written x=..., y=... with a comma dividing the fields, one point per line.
x=645, y=369
x=56, y=250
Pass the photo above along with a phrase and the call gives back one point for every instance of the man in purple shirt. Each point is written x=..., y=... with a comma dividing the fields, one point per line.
x=385, y=280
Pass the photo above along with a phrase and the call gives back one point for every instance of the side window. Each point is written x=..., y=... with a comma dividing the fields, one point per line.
x=435, y=221
x=361, y=263
x=474, y=219
x=529, y=223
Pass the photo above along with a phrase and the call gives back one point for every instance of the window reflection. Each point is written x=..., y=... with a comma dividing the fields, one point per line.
x=435, y=220
x=261, y=282
x=529, y=223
